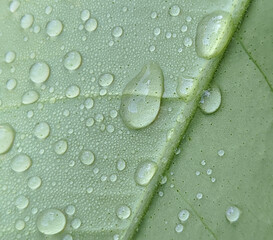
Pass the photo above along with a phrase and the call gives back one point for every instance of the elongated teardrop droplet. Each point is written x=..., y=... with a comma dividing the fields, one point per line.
x=213, y=34
x=145, y=172
x=140, y=101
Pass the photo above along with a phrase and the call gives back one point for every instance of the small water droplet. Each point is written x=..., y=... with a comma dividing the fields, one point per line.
x=113, y=114
x=60, y=147
x=42, y=130
x=117, y=32
x=54, y=28
x=87, y=157
x=70, y=210
x=48, y=10
x=197, y=173
x=89, y=103
x=121, y=164
x=11, y=84
x=89, y=190
x=153, y=15
x=39, y=72
x=209, y=171
x=21, y=202
x=184, y=28
x=141, y=97
x=72, y=91
x=199, y=196
x=76, y=223
x=10, y=57
x=89, y=122
x=72, y=60
x=7, y=135
x=213, y=34
x=221, y=153
x=20, y=163
x=174, y=10
x=34, y=182
x=179, y=228
x=203, y=162
x=27, y=21
x=20, y=225
x=187, y=42
x=14, y=5
x=106, y=79
x=67, y=237
x=51, y=221
x=157, y=31
x=210, y=100
x=163, y=180
x=116, y=237
x=233, y=214
x=91, y=25
x=187, y=88
x=30, y=97
x=123, y=212
x=145, y=172
x=85, y=15
x=183, y=215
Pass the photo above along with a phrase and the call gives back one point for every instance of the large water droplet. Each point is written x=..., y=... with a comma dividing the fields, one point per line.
x=213, y=34
x=145, y=172
x=91, y=25
x=123, y=212
x=54, y=28
x=140, y=102
x=20, y=163
x=39, y=72
x=106, y=79
x=210, y=100
x=72, y=60
x=42, y=130
x=87, y=157
x=232, y=214
x=7, y=135
x=60, y=147
x=187, y=88
x=30, y=97
x=51, y=221
x=27, y=21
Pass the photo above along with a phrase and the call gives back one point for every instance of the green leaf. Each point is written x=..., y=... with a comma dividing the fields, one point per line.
x=243, y=128
x=75, y=77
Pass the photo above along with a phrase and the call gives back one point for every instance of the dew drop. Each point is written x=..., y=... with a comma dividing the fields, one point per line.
x=21, y=202
x=39, y=72
x=20, y=225
x=87, y=157
x=7, y=135
x=183, y=215
x=233, y=214
x=20, y=163
x=42, y=130
x=72, y=60
x=11, y=84
x=89, y=122
x=121, y=164
x=54, y=28
x=221, y=153
x=117, y=32
x=70, y=210
x=51, y=221
x=10, y=57
x=184, y=28
x=210, y=100
x=187, y=88
x=157, y=31
x=187, y=42
x=76, y=223
x=91, y=25
x=89, y=103
x=199, y=196
x=213, y=34
x=30, y=97
x=141, y=97
x=85, y=15
x=34, y=182
x=123, y=212
x=60, y=147
x=14, y=5
x=48, y=10
x=145, y=172
x=72, y=91
x=67, y=237
x=179, y=228
x=174, y=10
x=27, y=21
x=106, y=79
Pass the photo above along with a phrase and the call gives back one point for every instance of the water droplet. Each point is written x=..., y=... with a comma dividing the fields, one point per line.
x=210, y=100
x=11, y=84
x=145, y=172
x=213, y=34
x=60, y=147
x=91, y=25
x=72, y=91
x=116, y=237
x=72, y=60
x=113, y=178
x=30, y=97
x=70, y=210
x=197, y=173
x=184, y=28
x=157, y=31
x=187, y=42
x=10, y=57
x=89, y=103
x=141, y=97
x=21, y=202
x=14, y=5
x=48, y=10
x=221, y=153
x=85, y=15
x=179, y=228
x=187, y=88
x=106, y=79
x=7, y=135
x=20, y=163
x=89, y=122
x=121, y=164
x=76, y=223
x=87, y=157
x=42, y=130
x=51, y=221
x=233, y=214
x=183, y=215
x=199, y=196
x=153, y=15
x=27, y=21
x=20, y=225
x=34, y=182
x=117, y=32
x=39, y=72
x=110, y=128
x=174, y=10
x=163, y=180
x=203, y=162
x=54, y=28
x=67, y=237
x=209, y=171
x=123, y=212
